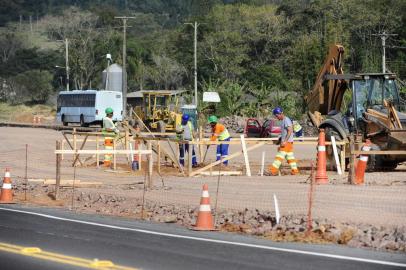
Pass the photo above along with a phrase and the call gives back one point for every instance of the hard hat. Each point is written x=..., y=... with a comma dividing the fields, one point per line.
x=185, y=117
x=212, y=119
x=108, y=110
x=277, y=110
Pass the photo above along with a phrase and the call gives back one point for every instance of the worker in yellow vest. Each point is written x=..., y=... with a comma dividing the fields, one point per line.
x=184, y=132
x=220, y=133
x=109, y=131
x=298, y=130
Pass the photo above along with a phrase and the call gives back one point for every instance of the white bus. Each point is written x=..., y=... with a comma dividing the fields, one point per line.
x=87, y=106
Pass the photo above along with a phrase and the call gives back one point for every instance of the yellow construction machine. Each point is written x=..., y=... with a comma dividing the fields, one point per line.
x=160, y=110
x=366, y=104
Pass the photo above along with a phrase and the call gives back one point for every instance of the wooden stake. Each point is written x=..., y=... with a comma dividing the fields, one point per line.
x=114, y=155
x=62, y=147
x=351, y=172
x=262, y=163
x=189, y=157
x=200, y=146
x=97, y=155
x=244, y=150
x=74, y=144
x=58, y=170
x=158, y=163
x=150, y=163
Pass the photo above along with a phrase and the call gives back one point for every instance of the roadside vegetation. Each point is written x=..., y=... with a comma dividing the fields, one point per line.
x=257, y=54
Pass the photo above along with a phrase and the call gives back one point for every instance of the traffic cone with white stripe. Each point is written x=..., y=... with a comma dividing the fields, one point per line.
x=362, y=164
x=321, y=174
x=204, y=218
x=6, y=192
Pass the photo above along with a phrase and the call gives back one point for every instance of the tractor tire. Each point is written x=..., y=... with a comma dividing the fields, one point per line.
x=330, y=131
x=374, y=161
x=64, y=123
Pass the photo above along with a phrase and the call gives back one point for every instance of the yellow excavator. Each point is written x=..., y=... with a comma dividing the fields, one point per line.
x=366, y=104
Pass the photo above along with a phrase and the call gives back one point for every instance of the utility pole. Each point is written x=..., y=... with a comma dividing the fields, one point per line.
x=384, y=36
x=124, y=83
x=195, y=25
x=67, y=63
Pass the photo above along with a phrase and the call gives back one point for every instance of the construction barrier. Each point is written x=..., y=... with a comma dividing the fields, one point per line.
x=321, y=174
x=361, y=165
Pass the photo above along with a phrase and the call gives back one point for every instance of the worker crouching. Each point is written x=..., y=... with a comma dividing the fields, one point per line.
x=285, y=149
x=185, y=133
x=220, y=133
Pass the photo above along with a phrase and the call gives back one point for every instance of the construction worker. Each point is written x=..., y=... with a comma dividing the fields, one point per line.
x=298, y=130
x=220, y=133
x=185, y=133
x=285, y=149
x=109, y=131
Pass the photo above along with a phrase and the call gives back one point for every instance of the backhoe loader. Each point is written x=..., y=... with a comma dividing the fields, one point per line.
x=366, y=104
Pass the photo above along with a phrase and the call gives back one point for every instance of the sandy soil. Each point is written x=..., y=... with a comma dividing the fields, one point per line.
x=381, y=201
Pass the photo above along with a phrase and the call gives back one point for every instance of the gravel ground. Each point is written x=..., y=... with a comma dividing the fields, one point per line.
x=342, y=213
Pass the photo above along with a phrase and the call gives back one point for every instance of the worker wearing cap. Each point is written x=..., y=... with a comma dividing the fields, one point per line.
x=109, y=131
x=285, y=149
x=220, y=133
x=184, y=132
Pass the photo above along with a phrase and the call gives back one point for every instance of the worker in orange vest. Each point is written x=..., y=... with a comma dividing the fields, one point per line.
x=285, y=149
x=220, y=133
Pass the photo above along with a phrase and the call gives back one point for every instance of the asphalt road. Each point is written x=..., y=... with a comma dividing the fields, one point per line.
x=143, y=245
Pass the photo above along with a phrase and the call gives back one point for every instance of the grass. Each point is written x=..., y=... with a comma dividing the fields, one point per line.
x=24, y=113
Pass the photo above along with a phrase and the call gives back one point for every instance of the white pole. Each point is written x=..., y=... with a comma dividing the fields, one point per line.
x=263, y=163
x=244, y=150
x=333, y=144
x=278, y=215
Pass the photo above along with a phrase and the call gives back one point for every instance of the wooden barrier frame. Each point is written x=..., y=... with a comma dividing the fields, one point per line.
x=247, y=144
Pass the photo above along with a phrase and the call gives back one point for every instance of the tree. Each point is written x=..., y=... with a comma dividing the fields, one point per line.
x=33, y=86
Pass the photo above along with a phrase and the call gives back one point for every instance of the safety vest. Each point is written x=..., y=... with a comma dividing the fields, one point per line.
x=182, y=135
x=224, y=134
x=108, y=124
x=296, y=126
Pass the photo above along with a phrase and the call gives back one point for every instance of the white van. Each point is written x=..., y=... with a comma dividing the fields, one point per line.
x=87, y=106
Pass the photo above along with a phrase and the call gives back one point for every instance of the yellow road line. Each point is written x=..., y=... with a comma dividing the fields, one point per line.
x=60, y=258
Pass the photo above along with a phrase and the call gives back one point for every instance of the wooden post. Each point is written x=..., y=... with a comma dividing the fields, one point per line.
x=150, y=164
x=139, y=155
x=97, y=154
x=58, y=170
x=62, y=147
x=200, y=145
x=262, y=163
x=74, y=144
x=158, y=162
x=189, y=158
x=127, y=146
x=114, y=155
x=342, y=157
x=351, y=172
x=244, y=150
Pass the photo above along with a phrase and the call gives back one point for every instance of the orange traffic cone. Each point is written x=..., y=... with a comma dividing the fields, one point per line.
x=204, y=218
x=362, y=164
x=321, y=174
x=6, y=192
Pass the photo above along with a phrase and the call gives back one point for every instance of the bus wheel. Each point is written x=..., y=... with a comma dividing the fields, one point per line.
x=82, y=121
x=64, y=123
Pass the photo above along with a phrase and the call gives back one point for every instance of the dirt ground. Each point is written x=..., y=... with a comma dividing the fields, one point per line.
x=381, y=201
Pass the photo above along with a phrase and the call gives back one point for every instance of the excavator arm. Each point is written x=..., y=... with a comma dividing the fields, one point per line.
x=329, y=88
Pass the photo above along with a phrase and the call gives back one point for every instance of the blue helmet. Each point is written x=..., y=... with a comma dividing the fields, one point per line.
x=277, y=110
x=185, y=117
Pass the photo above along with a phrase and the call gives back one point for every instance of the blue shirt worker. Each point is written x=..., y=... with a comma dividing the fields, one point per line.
x=185, y=133
x=220, y=133
x=285, y=149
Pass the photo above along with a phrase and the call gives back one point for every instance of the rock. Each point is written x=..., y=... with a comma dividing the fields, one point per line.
x=170, y=219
